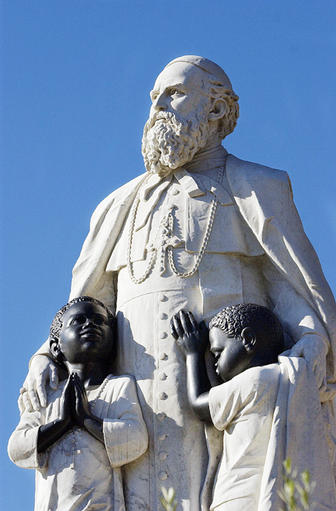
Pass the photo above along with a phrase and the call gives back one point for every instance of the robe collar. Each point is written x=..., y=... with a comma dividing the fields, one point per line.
x=203, y=161
x=154, y=185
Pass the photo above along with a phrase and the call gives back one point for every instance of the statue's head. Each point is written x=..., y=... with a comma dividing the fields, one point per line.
x=192, y=104
x=242, y=336
x=81, y=331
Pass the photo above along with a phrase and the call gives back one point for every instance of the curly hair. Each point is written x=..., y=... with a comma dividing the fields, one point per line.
x=228, y=122
x=57, y=322
x=233, y=319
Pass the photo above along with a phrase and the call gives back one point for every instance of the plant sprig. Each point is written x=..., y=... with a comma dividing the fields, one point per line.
x=168, y=499
x=296, y=491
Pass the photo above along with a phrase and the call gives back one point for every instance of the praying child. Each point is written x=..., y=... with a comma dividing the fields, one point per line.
x=245, y=340
x=92, y=424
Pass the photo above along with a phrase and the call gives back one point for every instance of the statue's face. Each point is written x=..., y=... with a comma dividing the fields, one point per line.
x=179, y=89
x=178, y=125
x=230, y=354
x=86, y=334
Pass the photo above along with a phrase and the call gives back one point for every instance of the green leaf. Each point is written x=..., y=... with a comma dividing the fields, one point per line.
x=287, y=464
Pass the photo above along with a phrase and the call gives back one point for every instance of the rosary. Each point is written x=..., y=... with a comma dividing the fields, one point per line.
x=163, y=250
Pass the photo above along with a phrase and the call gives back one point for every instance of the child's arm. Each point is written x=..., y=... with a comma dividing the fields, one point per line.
x=49, y=433
x=125, y=432
x=193, y=339
x=23, y=441
x=32, y=436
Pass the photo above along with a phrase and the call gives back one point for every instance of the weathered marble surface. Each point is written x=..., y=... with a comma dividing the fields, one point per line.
x=199, y=230
x=78, y=471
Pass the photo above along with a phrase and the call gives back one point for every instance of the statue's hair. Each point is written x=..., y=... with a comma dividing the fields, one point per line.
x=233, y=319
x=228, y=122
x=57, y=322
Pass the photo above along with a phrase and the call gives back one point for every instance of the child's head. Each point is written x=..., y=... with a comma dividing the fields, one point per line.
x=82, y=331
x=243, y=336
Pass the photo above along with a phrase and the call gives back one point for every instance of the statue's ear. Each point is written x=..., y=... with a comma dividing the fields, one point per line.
x=249, y=338
x=218, y=110
x=56, y=351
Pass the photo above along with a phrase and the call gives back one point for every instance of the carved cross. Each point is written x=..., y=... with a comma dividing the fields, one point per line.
x=165, y=239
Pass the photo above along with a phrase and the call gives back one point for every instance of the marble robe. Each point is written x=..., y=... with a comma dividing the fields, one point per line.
x=257, y=252
x=235, y=268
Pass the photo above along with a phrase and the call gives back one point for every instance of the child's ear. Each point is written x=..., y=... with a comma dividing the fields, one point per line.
x=56, y=351
x=249, y=338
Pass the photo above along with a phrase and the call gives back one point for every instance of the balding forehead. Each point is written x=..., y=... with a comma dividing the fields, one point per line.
x=181, y=73
x=209, y=67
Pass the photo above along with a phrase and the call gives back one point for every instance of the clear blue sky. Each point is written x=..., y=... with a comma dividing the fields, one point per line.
x=74, y=98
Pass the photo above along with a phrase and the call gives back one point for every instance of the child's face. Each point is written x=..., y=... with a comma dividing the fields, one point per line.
x=86, y=334
x=230, y=353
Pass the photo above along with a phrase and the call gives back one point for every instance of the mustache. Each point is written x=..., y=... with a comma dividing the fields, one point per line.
x=169, y=117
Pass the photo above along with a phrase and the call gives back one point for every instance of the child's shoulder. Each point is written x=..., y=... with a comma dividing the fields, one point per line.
x=258, y=381
x=119, y=382
x=55, y=394
x=254, y=379
x=261, y=375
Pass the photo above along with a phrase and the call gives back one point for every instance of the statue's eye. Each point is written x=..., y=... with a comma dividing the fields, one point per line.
x=78, y=320
x=99, y=320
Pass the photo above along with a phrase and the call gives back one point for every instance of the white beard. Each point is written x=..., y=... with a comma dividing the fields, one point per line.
x=169, y=143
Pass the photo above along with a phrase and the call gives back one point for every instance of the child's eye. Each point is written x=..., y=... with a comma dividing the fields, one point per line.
x=99, y=320
x=78, y=320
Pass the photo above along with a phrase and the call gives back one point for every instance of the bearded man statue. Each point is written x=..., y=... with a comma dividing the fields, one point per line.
x=200, y=230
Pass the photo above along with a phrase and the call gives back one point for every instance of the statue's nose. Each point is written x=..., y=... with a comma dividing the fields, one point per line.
x=161, y=102
x=89, y=321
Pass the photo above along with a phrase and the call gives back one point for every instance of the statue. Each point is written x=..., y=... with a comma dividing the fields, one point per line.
x=92, y=424
x=246, y=341
x=200, y=230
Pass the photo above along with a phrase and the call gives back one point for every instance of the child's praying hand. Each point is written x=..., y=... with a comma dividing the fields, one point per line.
x=74, y=411
x=191, y=336
x=80, y=412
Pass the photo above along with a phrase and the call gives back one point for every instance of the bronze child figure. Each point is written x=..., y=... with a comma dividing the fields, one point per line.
x=245, y=340
x=92, y=424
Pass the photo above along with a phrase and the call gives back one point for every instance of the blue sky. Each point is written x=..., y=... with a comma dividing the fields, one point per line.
x=74, y=97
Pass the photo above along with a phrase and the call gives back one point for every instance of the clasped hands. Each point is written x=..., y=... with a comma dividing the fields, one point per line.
x=75, y=408
x=191, y=336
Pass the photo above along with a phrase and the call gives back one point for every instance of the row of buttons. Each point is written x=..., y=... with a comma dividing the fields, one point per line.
x=163, y=455
x=163, y=335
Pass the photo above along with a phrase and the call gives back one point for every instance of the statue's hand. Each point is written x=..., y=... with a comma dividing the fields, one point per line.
x=191, y=336
x=33, y=393
x=82, y=407
x=67, y=405
x=312, y=348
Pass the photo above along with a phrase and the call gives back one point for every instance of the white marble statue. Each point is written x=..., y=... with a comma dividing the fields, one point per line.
x=200, y=230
